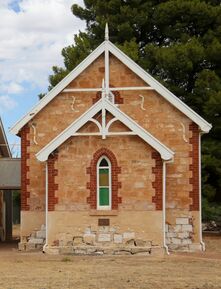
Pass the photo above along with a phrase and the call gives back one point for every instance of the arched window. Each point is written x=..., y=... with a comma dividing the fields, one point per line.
x=103, y=184
x=112, y=184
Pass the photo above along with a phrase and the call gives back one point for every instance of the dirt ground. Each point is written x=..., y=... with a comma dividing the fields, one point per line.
x=177, y=271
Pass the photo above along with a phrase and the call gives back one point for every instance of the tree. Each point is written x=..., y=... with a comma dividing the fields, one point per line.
x=176, y=41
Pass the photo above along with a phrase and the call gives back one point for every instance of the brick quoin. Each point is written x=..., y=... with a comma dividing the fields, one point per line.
x=157, y=170
x=194, y=167
x=92, y=185
x=52, y=186
x=25, y=155
x=117, y=97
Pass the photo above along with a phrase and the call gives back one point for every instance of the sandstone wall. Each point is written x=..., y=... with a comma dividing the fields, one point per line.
x=134, y=158
x=155, y=114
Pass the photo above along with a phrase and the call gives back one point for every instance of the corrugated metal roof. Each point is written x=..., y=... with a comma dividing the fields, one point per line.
x=10, y=173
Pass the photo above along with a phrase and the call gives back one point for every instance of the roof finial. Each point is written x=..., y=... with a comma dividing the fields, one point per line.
x=106, y=32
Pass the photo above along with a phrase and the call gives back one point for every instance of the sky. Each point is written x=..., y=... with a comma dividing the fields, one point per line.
x=32, y=35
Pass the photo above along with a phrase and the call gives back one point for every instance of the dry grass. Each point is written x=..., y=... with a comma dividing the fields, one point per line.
x=177, y=271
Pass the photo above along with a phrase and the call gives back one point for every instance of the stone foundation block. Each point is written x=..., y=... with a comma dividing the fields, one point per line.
x=176, y=241
x=140, y=243
x=130, y=242
x=30, y=247
x=101, y=252
x=66, y=250
x=109, y=250
x=77, y=240
x=171, y=234
x=145, y=253
x=24, y=239
x=91, y=251
x=128, y=235
x=51, y=250
x=68, y=237
x=21, y=246
x=186, y=241
x=39, y=247
x=33, y=235
x=178, y=228
x=183, y=248
x=80, y=251
x=62, y=243
x=122, y=252
x=183, y=235
x=174, y=246
x=89, y=239
x=140, y=250
x=104, y=237
x=182, y=221
x=118, y=238
x=41, y=234
x=104, y=229
x=187, y=228
x=167, y=241
x=195, y=247
x=112, y=230
x=36, y=241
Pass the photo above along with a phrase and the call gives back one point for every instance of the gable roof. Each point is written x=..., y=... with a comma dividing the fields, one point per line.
x=107, y=45
x=104, y=103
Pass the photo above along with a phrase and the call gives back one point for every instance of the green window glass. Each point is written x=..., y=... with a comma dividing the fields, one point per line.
x=104, y=170
x=104, y=196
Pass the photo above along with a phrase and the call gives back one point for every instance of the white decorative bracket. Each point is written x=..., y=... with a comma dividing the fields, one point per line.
x=34, y=131
x=142, y=102
x=184, y=132
x=73, y=102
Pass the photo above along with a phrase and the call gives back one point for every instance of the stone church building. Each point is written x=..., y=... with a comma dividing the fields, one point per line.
x=111, y=163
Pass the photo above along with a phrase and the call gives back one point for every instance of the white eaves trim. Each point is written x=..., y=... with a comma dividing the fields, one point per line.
x=162, y=90
x=153, y=83
x=165, y=152
x=58, y=88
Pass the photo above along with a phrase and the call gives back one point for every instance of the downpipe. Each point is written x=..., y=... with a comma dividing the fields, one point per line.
x=46, y=207
x=200, y=197
x=164, y=208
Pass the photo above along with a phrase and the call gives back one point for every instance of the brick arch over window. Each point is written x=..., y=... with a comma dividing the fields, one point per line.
x=92, y=185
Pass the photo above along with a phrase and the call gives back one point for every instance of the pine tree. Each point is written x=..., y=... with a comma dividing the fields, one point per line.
x=176, y=41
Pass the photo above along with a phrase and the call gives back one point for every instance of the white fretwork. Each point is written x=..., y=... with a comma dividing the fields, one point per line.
x=104, y=106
